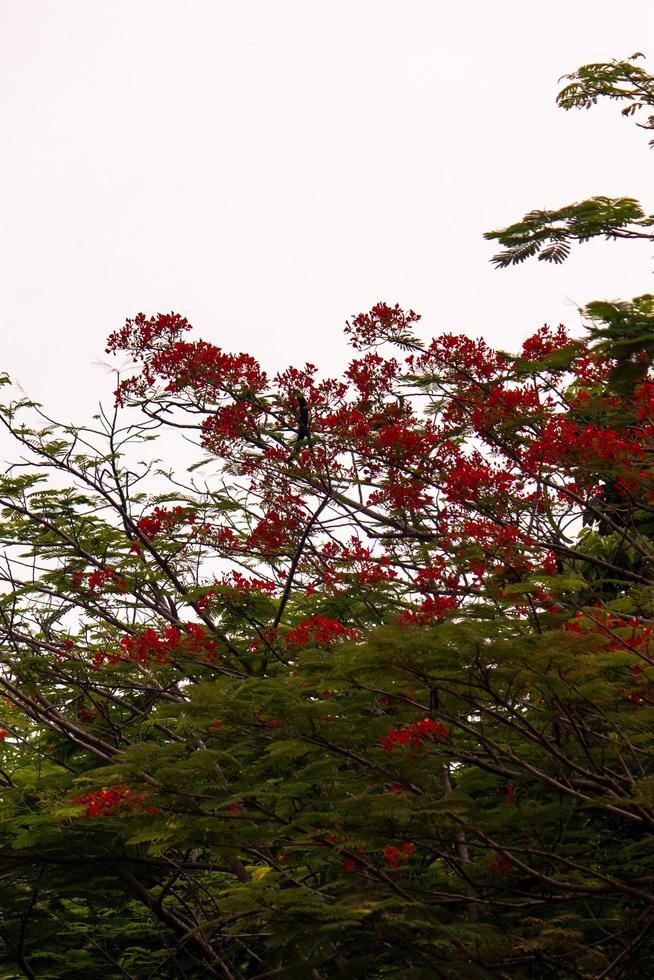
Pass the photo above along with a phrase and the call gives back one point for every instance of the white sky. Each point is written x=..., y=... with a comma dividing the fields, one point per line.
x=269, y=167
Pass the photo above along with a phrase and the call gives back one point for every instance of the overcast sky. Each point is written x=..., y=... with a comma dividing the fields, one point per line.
x=269, y=167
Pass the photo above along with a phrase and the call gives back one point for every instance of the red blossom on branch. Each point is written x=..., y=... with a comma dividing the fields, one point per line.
x=108, y=801
x=151, y=647
x=397, y=857
x=414, y=734
x=382, y=323
x=319, y=630
x=432, y=609
x=545, y=341
x=162, y=519
x=103, y=577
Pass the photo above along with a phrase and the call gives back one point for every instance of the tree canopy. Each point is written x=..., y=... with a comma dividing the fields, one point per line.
x=368, y=690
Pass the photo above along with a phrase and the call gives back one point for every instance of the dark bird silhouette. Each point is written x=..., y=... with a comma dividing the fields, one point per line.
x=303, y=430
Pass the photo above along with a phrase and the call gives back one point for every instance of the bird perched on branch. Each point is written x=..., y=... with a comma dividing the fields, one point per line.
x=302, y=418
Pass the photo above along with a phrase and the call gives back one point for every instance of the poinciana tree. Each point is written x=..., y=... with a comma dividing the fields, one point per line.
x=368, y=692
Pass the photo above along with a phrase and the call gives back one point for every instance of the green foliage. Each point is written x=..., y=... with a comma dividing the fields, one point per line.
x=384, y=736
x=618, y=81
x=549, y=235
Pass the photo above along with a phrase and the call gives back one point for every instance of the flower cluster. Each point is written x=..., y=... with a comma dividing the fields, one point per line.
x=461, y=357
x=151, y=647
x=620, y=632
x=163, y=519
x=244, y=583
x=397, y=857
x=319, y=630
x=475, y=492
x=431, y=609
x=382, y=323
x=141, y=333
x=372, y=375
x=644, y=399
x=414, y=734
x=105, y=802
x=545, y=341
x=156, y=343
x=100, y=579
x=355, y=563
x=227, y=424
x=470, y=477
x=274, y=531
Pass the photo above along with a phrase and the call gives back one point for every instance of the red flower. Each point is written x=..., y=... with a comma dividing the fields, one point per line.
x=382, y=323
x=544, y=342
x=414, y=734
x=105, y=802
x=242, y=583
x=396, y=857
x=151, y=647
x=100, y=576
x=320, y=630
x=433, y=608
x=163, y=519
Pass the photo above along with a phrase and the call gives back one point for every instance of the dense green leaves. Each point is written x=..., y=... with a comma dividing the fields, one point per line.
x=369, y=692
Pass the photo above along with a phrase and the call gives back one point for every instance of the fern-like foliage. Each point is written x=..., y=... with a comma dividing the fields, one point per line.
x=549, y=234
x=616, y=80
